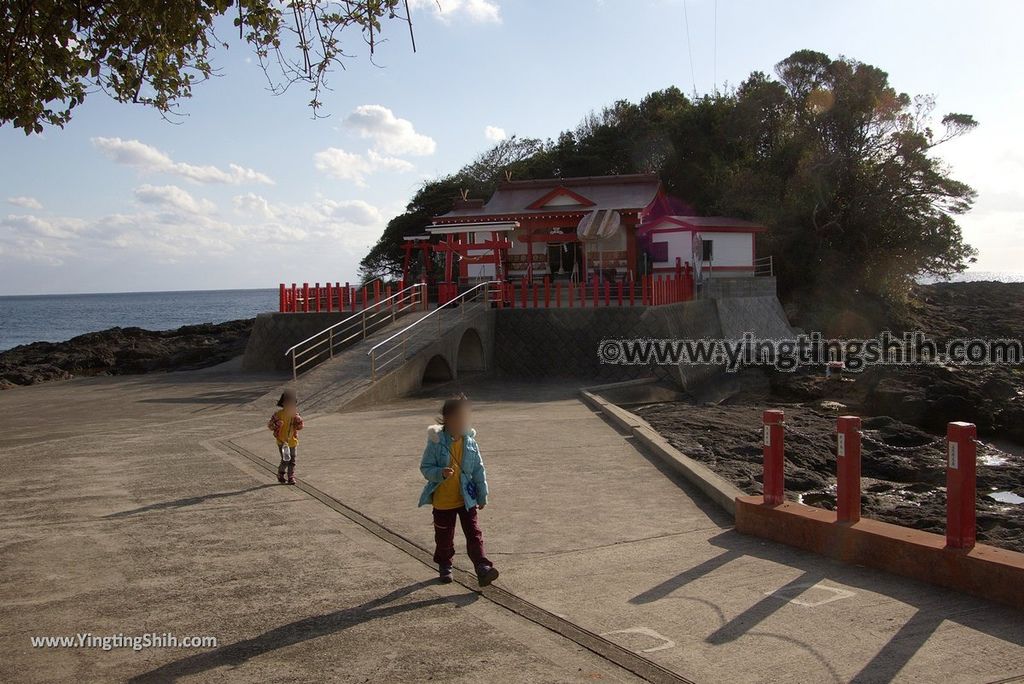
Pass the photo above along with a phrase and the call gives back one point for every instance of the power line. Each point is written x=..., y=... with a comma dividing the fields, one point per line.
x=715, y=68
x=689, y=48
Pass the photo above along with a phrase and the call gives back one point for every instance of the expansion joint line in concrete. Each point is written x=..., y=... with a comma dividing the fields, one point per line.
x=610, y=651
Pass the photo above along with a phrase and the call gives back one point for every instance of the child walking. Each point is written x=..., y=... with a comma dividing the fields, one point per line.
x=456, y=488
x=285, y=424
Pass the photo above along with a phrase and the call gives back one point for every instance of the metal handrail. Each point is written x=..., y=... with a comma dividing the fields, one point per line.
x=401, y=301
x=380, y=359
x=765, y=266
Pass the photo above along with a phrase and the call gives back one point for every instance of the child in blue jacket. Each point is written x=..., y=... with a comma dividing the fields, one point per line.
x=456, y=488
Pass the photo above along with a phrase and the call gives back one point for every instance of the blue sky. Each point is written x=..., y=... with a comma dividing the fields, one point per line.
x=248, y=191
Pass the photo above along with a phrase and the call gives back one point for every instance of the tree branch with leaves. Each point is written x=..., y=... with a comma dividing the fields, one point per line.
x=56, y=53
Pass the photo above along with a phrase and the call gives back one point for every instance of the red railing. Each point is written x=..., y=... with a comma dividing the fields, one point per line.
x=649, y=290
x=330, y=297
x=961, y=446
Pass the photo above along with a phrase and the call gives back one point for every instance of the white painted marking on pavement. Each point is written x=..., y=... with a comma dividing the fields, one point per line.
x=792, y=594
x=668, y=643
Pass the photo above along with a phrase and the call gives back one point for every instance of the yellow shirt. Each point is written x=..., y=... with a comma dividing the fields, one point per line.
x=286, y=430
x=448, y=494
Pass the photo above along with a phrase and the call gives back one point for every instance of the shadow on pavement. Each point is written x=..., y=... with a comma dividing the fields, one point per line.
x=242, y=396
x=297, y=632
x=188, y=501
x=932, y=605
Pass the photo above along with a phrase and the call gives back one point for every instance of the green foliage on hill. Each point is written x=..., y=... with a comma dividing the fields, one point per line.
x=837, y=163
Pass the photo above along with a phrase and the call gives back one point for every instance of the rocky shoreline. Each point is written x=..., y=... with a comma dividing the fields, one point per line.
x=124, y=351
x=903, y=407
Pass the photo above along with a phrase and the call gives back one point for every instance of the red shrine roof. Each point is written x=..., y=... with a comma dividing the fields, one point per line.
x=560, y=195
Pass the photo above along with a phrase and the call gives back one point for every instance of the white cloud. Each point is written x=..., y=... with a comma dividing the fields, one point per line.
x=482, y=11
x=391, y=135
x=25, y=202
x=494, y=134
x=338, y=163
x=173, y=197
x=30, y=238
x=147, y=158
x=253, y=204
x=170, y=226
x=356, y=212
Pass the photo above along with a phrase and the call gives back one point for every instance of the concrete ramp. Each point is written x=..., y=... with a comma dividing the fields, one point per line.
x=449, y=344
x=762, y=316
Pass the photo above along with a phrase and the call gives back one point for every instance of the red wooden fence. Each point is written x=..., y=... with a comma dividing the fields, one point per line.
x=649, y=290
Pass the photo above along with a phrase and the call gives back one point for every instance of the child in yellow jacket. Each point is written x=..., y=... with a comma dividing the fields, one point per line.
x=285, y=424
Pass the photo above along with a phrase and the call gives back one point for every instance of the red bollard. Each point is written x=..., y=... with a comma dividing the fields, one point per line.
x=774, y=433
x=330, y=295
x=632, y=291
x=349, y=297
x=376, y=291
x=282, y=299
x=961, y=487
x=305, y=297
x=294, y=304
x=848, y=469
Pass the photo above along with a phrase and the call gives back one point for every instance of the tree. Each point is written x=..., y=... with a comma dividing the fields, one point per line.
x=57, y=52
x=839, y=165
x=864, y=205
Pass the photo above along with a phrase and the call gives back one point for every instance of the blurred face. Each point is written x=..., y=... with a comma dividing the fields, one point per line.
x=289, y=407
x=458, y=421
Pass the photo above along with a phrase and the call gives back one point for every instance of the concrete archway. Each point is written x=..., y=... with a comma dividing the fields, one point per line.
x=437, y=371
x=470, y=357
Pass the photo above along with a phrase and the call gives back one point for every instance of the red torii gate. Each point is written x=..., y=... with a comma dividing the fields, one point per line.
x=450, y=246
x=412, y=242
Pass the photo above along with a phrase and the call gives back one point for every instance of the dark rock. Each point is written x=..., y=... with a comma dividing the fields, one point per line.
x=124, y=351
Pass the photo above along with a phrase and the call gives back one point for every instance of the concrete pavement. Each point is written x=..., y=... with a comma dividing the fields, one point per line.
x=133, y=505
x=119, y=517
x=584, y=525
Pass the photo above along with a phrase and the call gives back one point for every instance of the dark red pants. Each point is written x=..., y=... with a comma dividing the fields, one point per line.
x=444, y=536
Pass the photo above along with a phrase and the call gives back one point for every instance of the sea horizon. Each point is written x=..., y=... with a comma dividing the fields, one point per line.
x=25, y=319
x=28, y=318
x=967, y=276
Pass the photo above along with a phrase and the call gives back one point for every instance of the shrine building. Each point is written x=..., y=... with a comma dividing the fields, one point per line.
x=610, y=227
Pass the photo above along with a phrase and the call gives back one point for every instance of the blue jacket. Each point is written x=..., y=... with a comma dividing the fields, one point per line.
x=437, y=456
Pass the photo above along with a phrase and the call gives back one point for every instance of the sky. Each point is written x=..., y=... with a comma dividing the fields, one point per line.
x=246, y=190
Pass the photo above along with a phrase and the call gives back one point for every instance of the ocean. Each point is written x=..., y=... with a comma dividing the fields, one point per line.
x=55, y=318
x=974, y=276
